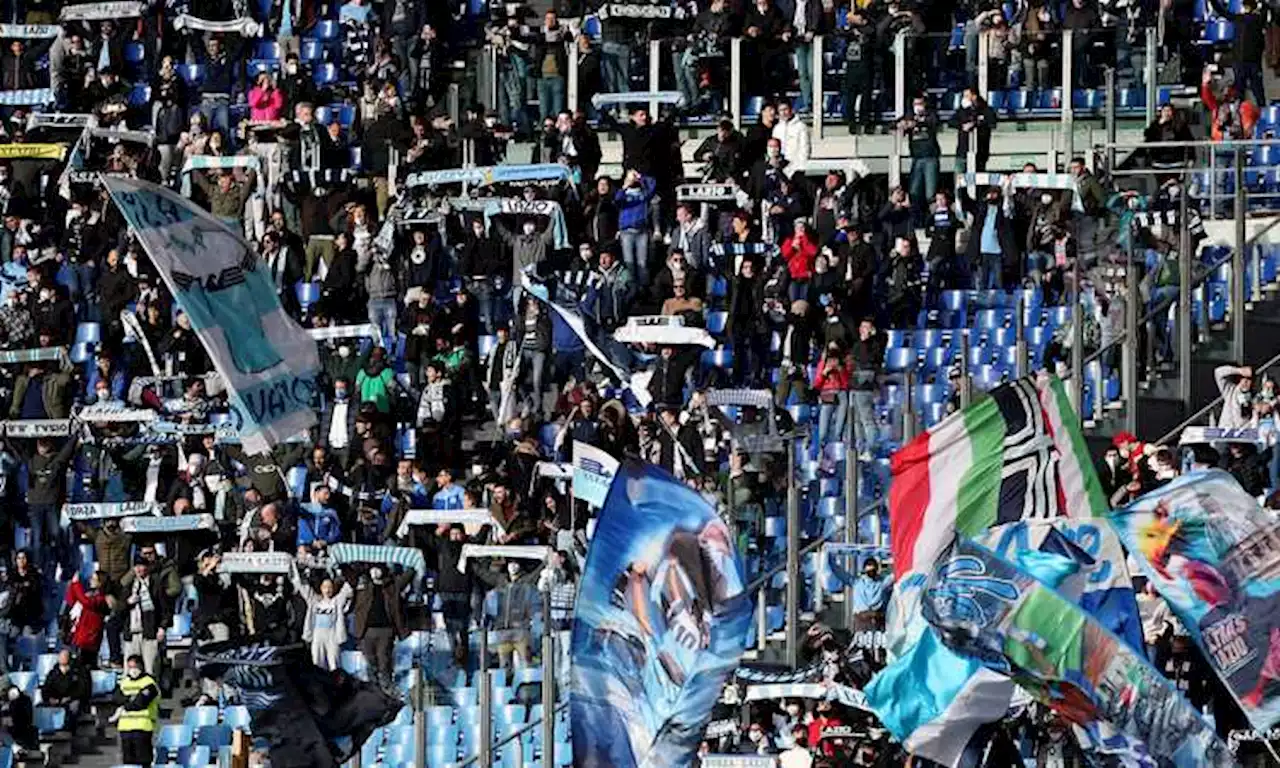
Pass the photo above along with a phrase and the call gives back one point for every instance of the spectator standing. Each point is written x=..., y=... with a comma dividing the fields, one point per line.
x=921, y=130
x=552, y=58
x=148, y=613
x=380, y=620
x=974, y=121
x=832, y=386
x=870, y=596
x=867, y=358
x=634, y=232
x=90, y=605
x=138, y=713
x=325, y=624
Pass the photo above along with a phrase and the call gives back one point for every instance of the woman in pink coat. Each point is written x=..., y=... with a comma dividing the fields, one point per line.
x=266, y=102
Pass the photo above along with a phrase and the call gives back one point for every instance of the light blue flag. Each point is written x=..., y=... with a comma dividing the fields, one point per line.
x=267, y=361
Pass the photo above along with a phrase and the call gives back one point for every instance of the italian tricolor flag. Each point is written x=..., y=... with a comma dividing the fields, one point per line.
x=1017, y=454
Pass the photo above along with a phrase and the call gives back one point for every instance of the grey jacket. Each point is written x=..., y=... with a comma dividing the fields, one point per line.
x=526, y=250
x=379, y=274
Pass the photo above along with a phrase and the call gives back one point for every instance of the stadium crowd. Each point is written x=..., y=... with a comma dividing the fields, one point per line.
x=467, y=381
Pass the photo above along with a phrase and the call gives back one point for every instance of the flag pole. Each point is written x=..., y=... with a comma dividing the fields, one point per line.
x=548, y=685
x=793, y=557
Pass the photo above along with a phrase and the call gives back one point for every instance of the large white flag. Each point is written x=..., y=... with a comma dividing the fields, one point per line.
x=267, y=360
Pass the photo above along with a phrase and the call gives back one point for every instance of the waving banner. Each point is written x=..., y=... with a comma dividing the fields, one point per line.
x=660, y=622
x=593, y=472
x=989, y=609
x=265, y=358
x=1214, y=556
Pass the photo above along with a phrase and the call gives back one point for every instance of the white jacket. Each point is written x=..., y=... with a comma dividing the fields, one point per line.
x=1227, y=379
x=794, y=135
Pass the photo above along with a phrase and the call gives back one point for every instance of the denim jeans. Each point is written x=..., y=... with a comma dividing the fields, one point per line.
x=535, y=364
x=989, y=269
x=804, y=73
x=922, y=185
x=831, y=419
x=488, y=301
x=686, y=69
x=511, y=98
x=217, y=110
x=550, y=96
x=864, y=413
x=382, y=313
x=615, y=65
x=635, y=254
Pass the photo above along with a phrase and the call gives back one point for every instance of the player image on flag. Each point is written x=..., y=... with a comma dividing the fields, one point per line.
x=661, y=620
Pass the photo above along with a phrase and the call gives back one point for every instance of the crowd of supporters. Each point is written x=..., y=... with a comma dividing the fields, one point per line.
x=306, y=136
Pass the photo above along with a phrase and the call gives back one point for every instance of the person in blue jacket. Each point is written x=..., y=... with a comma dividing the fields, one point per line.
x=318, y=524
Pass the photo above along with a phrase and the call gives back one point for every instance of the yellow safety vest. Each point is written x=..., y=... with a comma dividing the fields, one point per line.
x=141, y=719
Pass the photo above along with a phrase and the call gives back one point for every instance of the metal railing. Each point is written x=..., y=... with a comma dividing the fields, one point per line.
x=1194, y=418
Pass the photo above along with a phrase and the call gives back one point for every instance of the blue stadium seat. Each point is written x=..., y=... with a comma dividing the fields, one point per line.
x=267, y=49
x=716, y=322
x=237, y=717
x=50, y=720
x=192, y=73
x=306, y=293
x=311, y=50
x=258, y=66
x=24, y=681
x=174, y=737
x=89, y=333
x=140, y=95
x=103, y=684
x=1219, y=31
x=899, y=360
x=345, y=114
x=213, y=736
x=326, y=74
x=327, y=29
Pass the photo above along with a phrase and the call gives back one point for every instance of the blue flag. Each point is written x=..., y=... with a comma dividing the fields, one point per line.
x=661, y=620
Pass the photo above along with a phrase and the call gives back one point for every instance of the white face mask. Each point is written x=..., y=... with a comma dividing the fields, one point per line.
x=966, y=102
x=755, y=736
x=919, y=109
x=513, y=571
x=1046, y=199
x=344, y=351
x=134, y=673
x=529, y=228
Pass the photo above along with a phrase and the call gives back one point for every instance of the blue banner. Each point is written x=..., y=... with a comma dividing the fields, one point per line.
x=661, y=620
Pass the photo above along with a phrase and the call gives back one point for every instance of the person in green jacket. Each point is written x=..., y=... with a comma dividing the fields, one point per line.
x=375, y=380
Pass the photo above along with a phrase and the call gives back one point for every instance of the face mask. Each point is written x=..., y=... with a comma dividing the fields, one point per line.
x=793, y=710
x=134, y=673
x=966, y=103
x=344, y=351
x=340, y=395
x=919, y=109
x=1243, y=398
x=529, y=228
x=292, y=69
x=46, y=295
x=1046, y=199
x=774, y=153
x=755, y=736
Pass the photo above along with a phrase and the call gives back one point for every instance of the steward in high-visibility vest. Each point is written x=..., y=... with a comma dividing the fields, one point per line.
x=138, y=715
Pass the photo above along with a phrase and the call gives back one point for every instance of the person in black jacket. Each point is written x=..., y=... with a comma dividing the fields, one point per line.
x=746, y=325
x=482, y=266
x=67, y=686
x=974, y=121
x=989, y=258
x=454, y=586
x=17, y=706
x=116, y=288
x=339, y=291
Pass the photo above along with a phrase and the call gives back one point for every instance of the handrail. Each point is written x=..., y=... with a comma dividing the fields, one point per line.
x=761, y=581
x=522, y=730
x=1206, y=143
x=1164, y=305
x=1217, y=401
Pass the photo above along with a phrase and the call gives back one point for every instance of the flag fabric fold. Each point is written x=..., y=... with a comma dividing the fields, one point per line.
x=660, y=622
x=987, y=608
x=1015, y=456
x=309, y=717
x=1214, y=555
